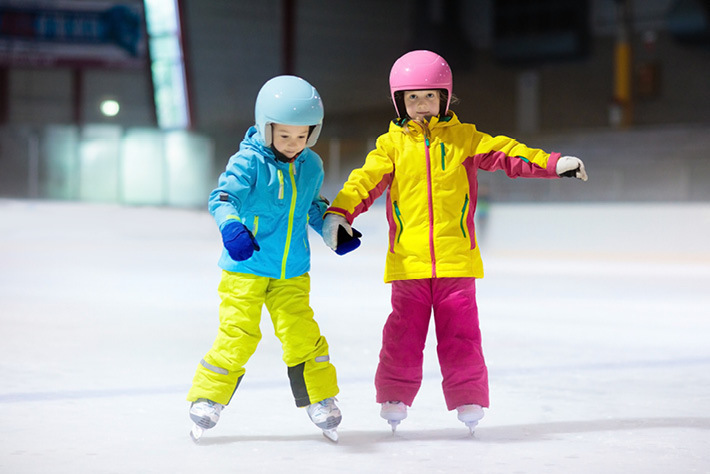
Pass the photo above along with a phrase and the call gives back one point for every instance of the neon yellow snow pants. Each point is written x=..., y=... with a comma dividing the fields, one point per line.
x=305, y=350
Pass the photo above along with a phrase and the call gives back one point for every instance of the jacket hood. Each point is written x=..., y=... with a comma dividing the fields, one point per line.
x=255, y=142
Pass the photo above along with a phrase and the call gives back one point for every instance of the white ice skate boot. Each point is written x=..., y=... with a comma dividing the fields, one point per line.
x=205, y=414
x=470, y=415
x=393, y=412
x=326, y=416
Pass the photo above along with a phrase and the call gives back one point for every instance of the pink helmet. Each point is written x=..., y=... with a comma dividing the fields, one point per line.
x=418, y=70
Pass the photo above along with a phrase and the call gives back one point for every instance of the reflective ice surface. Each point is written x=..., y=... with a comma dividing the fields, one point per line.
x=595, y=322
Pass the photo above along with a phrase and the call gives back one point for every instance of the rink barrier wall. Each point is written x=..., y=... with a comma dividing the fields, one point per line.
x=141, y=166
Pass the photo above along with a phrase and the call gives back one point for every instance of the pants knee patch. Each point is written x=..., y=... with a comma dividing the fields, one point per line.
x=298, y=384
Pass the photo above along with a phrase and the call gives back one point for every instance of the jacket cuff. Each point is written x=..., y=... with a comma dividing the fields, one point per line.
x=552, y=164
x=340, y=212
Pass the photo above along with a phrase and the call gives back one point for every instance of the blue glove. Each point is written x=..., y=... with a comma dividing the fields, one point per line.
x=338, y=235
x=238, y=240
x=346, y=242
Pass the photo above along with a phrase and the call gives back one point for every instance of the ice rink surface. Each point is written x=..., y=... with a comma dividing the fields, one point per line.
x=595, y=320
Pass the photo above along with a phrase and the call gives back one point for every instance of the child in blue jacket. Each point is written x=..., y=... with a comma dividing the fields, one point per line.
x=265, y=200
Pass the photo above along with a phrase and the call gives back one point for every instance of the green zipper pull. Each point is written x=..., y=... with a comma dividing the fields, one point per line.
x=463, y=216
x=399, y=218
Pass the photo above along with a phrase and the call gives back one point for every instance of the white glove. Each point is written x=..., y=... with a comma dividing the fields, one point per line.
x=571, y=167
x=331, y=223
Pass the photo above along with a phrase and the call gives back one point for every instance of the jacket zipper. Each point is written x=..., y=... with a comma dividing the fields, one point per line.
x=463, y=215
x=289, y=232
x=399, y=219
x=431, y=208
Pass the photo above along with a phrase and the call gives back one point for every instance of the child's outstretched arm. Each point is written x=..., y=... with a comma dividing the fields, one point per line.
x=518, y=160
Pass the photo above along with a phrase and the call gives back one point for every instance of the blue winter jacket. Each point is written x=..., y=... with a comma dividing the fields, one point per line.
x=276, y=201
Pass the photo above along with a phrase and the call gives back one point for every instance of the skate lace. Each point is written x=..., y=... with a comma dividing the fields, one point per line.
x=205, y=405
x=323, y=407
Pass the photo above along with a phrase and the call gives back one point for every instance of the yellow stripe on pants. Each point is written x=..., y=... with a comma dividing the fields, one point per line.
x=305, y=350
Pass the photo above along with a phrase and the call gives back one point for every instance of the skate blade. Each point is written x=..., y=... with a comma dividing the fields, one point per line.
x=331, y=435
x=196, y=433
x=471, y=426
x=393, y=424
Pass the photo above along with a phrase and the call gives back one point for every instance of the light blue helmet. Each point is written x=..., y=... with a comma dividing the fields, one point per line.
x=288, y=100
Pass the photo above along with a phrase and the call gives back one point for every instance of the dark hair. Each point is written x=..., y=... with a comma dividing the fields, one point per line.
x=402, y=109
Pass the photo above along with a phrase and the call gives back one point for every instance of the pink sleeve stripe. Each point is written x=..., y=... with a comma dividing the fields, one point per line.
x=516, y=166
x=364, y=204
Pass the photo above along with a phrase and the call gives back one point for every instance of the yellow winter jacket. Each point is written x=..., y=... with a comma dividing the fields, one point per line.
x=431, y=184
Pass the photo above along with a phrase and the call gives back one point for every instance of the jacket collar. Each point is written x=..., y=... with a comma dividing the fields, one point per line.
x=434, y=122
x=254, y=141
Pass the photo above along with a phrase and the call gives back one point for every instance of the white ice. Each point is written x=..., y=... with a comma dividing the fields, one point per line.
x=595, y=319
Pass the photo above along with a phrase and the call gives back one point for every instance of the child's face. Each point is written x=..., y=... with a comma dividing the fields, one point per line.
x=289, y=139
x=421, y=104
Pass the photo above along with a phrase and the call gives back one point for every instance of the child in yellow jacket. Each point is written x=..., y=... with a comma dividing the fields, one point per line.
x=428, y=164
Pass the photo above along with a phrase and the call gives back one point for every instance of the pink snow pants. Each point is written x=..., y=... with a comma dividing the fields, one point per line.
x=399, y=373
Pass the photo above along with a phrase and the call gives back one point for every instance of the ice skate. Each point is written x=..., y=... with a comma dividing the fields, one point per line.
x=393, y=412
x=470, y=415
x=326, y=416
x=205, y=414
